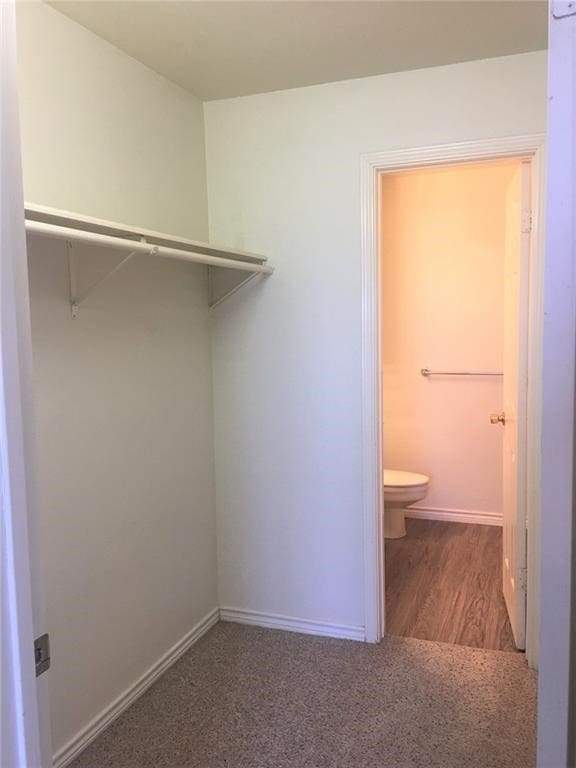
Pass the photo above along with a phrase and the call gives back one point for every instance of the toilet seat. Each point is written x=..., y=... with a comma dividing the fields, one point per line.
x=401, y=490
x=395, y=478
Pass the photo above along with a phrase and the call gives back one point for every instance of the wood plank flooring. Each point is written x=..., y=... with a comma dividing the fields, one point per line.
x=443, y=582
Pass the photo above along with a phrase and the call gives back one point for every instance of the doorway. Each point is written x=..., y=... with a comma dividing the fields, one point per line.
x=509, y=151
x=454, y=301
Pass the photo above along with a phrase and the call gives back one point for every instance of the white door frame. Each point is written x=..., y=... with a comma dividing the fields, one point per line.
x=24, y=697
x=557, y=678
x=372, y=166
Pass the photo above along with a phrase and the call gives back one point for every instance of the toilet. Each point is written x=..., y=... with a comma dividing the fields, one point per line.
x=401, y=489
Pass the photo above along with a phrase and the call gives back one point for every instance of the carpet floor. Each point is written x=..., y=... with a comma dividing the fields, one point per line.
x=245, y=697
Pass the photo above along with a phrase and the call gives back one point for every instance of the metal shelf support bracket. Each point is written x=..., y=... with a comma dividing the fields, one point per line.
x=75, y=299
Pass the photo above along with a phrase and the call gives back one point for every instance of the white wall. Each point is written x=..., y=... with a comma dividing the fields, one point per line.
x=442, y=275
x=102, y=134
x=124, y=391
x=283, y=172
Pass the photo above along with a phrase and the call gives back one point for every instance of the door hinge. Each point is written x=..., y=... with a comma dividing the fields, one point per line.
x=42, y=653
x=527, y=220
x=563, y=8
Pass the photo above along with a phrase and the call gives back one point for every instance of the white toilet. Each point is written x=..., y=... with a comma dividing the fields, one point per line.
x=401, y=489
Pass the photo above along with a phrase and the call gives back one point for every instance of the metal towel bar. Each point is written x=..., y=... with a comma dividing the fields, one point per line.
x=428, y=372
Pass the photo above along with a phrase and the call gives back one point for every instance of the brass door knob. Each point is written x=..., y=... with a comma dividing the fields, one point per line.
x=498, y=418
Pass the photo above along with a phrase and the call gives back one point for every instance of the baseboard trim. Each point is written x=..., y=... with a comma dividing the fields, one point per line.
x=79, y=742
x=455, y=515
x=292, y=624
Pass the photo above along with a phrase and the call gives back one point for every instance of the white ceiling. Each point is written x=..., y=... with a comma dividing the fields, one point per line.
x=221, y=49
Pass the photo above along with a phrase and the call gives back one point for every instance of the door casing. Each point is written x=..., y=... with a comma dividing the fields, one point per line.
x=372, y=166
x=24, y=697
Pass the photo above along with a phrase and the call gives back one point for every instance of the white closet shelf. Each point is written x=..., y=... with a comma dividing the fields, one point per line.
x=229, y=268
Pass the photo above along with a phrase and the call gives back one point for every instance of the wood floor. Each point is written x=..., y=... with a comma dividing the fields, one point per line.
x=443, y=582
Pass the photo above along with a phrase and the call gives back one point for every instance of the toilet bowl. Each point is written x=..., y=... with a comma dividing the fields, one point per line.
x=401, y=489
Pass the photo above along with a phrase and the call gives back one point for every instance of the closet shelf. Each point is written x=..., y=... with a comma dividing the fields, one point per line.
x=228, y=268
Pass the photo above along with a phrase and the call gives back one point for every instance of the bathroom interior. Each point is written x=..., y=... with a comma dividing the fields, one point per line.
x=445, y=232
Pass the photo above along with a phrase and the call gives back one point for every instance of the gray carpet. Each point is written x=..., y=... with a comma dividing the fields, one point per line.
x=245, y=697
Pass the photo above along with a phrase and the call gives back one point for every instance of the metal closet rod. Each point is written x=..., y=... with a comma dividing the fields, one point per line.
x=428, y=372
x=140, y=246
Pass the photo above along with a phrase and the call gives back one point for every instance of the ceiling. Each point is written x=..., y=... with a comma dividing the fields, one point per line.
x=221, y=49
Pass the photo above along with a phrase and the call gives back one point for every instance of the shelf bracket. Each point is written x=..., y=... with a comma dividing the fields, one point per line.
x=75, y=299
x=236, y=287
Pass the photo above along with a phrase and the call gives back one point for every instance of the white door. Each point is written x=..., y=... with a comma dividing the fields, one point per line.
x=516, y=263
x=25, y=727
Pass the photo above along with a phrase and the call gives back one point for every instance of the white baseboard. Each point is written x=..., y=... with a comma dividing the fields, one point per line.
x=79, y=742
x=455, y=515
x=292, y=624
